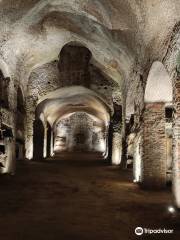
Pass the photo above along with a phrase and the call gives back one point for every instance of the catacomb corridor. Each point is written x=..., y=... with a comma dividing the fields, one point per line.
x=89, y=119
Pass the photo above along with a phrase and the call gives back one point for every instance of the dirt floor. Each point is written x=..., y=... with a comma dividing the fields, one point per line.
x=80, y=200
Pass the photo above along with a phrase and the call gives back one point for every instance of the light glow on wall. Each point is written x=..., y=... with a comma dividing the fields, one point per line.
x=102, y=146
x=116, y=156
x=29, y=150
x=116, y=148
x=137, y=161
x=138, y=169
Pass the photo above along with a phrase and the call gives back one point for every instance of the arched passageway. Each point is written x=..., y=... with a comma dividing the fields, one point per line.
x=75, y=93
x=77, y=122
x=90, y=92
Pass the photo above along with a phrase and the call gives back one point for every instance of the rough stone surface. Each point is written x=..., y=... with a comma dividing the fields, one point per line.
x=176, y=142
x=79, y=132
x=154, y=146
x=117, y=32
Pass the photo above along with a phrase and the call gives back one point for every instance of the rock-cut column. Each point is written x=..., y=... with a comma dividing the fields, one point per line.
x=154, y=146
x=116, y=148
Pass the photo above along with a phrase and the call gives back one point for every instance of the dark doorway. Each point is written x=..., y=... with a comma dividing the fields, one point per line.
x=38, y=140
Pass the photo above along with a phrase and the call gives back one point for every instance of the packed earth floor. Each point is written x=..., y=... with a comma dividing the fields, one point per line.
x=80, y=199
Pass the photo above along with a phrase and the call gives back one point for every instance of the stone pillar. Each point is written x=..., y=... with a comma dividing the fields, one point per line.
x=137, y=158
x=107, y=146
x=52, y=143
x=45, y=140
x=116, y=135
x=11, y=141
x=122, y=122
x=176, y=142
x=29, y=119
x=169, y=148
x=154, y=146
x=29, y=139
x=110, y=141
x=48, y=140
x=116, y=148
x=21, y=152
x=10, y=162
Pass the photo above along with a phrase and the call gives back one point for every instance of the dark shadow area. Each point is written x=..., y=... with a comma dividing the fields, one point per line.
x=79, y=200
x=38, y=139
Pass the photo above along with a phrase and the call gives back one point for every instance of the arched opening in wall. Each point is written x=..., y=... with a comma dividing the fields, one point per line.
x=74, y=65
x=78, y=121
x=4, y=86
x=38, y=140
x=20, y=121
x=157, y=128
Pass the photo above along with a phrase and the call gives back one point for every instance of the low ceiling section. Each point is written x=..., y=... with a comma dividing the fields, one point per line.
x=71, y=99
x=78, y=117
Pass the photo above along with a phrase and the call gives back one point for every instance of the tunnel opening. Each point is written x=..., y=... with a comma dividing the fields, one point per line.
x=90, y=92
x=77, y=122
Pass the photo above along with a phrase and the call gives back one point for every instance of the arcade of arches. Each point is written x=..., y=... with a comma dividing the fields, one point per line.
x=94, y=78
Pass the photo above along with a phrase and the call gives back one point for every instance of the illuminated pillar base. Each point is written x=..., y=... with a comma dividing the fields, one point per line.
x=154, y=146
x=29, y=148
x=176, y=188
x=116, y=148
x=137, y=159
x=29, y=136
x=10, y=160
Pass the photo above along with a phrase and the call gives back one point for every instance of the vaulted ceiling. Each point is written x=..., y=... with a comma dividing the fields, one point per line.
x=122, y=35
